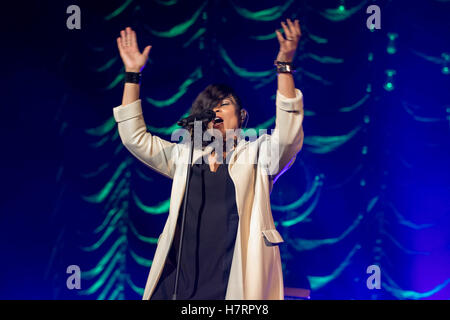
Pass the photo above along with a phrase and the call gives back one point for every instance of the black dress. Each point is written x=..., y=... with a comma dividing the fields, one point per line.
x=209, y=236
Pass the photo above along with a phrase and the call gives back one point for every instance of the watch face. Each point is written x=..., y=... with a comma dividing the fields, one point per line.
x=285, y=68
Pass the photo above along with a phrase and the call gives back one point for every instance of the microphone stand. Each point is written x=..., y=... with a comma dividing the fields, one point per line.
x=186, y=192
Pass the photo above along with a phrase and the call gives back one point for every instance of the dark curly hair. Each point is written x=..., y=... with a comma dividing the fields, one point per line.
x=210, y=98
x=212, y=95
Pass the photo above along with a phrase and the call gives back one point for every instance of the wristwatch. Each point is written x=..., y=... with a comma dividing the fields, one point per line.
x=284, y=67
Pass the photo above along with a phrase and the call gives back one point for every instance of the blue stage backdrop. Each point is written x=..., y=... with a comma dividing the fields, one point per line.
x=371, y=186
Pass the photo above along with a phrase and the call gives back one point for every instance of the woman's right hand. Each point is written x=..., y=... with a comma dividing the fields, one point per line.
x=133, y=60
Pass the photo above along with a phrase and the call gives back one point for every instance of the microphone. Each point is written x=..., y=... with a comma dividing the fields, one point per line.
x=205, y=116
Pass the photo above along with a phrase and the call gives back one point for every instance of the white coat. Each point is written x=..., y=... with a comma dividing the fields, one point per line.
x=256, y=271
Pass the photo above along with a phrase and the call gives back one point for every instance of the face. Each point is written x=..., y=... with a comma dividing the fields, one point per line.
x=226, y=110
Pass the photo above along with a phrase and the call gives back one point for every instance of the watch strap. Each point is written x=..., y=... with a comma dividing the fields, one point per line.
x=284, y=66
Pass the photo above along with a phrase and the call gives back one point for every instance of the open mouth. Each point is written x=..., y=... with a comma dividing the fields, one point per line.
x=218, y=121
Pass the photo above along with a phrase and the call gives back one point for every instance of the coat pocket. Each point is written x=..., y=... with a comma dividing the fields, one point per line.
x=272, y=237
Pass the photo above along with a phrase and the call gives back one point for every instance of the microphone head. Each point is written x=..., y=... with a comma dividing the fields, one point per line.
x=209, y=115
x=204, y=116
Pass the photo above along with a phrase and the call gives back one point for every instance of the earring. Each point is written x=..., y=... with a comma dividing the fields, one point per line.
x=244, y=116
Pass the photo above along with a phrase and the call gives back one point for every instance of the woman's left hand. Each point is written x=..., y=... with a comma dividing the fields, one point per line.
x=289, y=45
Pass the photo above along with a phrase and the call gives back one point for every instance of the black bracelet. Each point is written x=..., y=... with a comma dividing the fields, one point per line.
x=133, y=77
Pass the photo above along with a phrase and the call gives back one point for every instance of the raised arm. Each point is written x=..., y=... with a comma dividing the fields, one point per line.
x=153, y=151
x=288, y=47
x=133, y=60
x=287, y=138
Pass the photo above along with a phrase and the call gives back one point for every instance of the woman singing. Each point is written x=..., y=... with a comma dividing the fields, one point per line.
x=230, y=244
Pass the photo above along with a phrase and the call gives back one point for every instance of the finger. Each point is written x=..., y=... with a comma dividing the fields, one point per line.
x=119, y=44
x=147, y=50
x=133, y=39
x=297, y=27
x=280, y=37
x=123, y=38
x=292, y=27
x=128, y=36
x=286, y=30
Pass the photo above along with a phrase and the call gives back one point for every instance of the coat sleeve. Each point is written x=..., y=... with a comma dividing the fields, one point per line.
x=280, y=148
x=156, y=153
